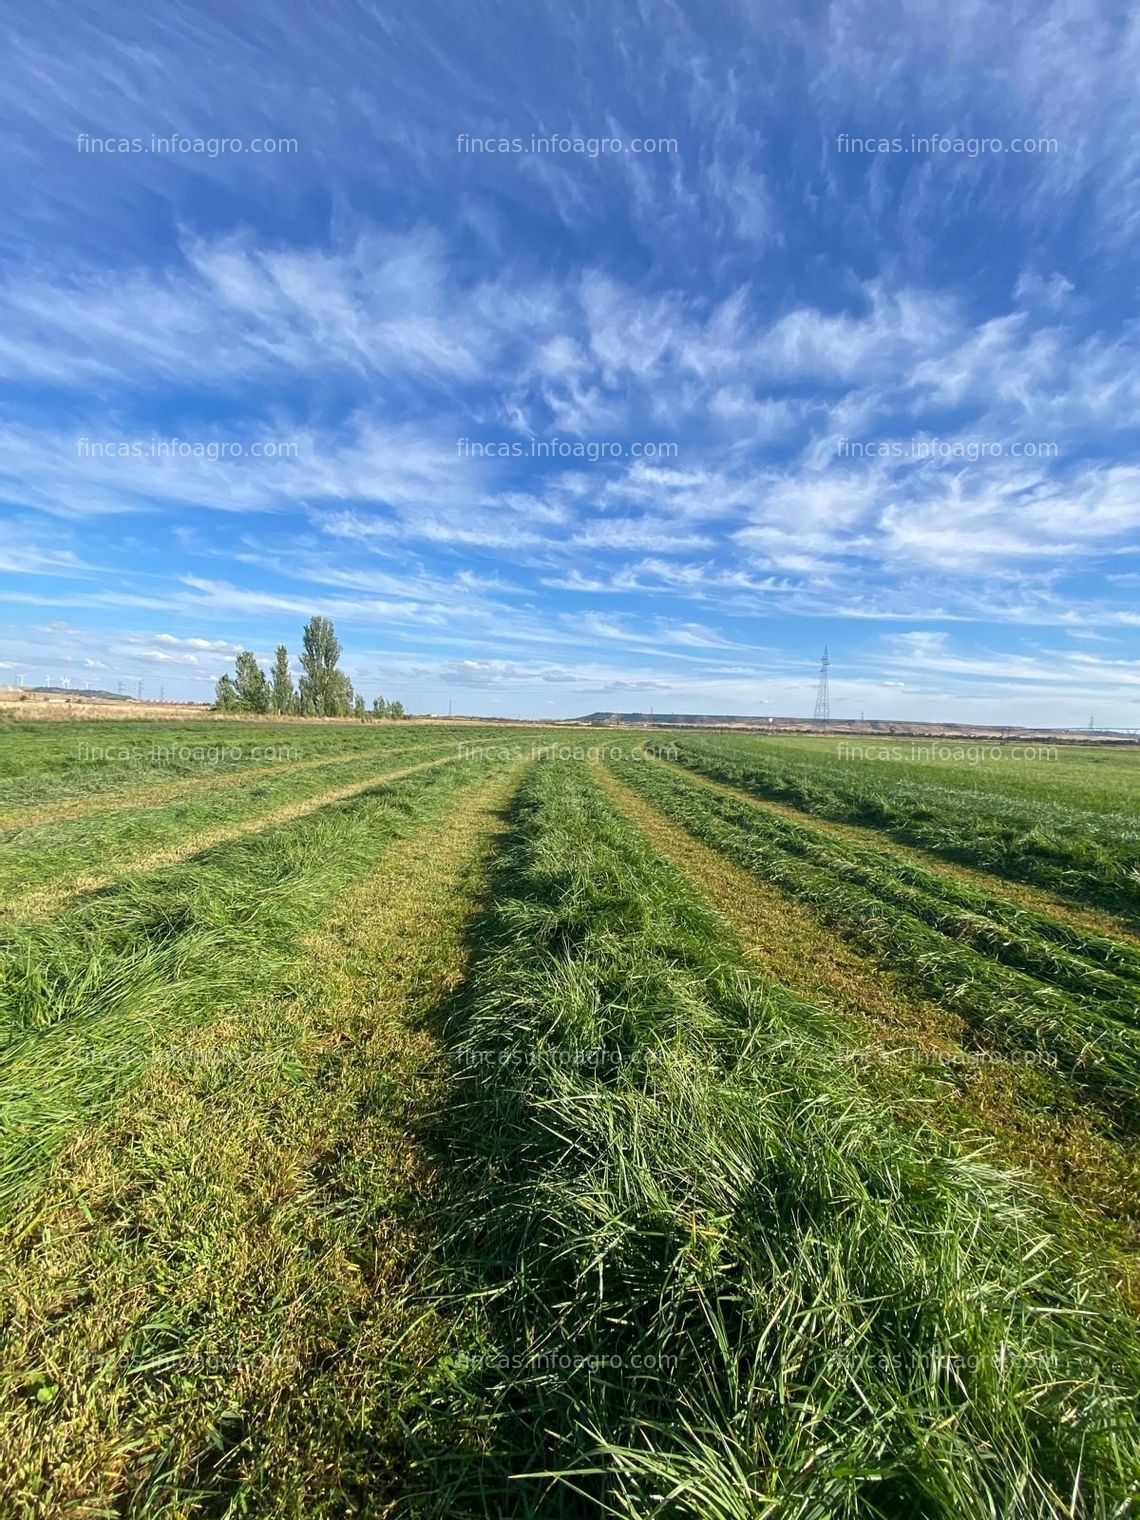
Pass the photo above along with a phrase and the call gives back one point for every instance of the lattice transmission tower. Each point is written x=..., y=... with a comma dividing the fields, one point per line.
x=823, y=694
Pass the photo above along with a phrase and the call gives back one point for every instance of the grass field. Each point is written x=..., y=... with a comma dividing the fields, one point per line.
x=432, y=1121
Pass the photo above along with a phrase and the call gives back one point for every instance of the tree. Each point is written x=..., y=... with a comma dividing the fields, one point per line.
x=281, y=691
x=379, y=707
x=250, y=685
x=325, y=690
x=359, y=709
x=396, y=709
x=225, y=698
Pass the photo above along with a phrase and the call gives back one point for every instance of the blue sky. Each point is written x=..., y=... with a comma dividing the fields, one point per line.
x=644, y=417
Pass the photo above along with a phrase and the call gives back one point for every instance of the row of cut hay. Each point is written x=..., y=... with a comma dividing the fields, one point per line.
x=207, y=1313
x=1098, y=1044
x=85, y=766
x=710, y=1277
x=1087, y=964
x=91, y=995
x=1087, y=856
x=43, y=855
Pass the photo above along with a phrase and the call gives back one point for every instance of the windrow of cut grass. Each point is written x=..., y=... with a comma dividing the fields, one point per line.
x=212, y=1314
x=86, y=995
x=157, y=765
x=66, y=765
x=1096, y=778
x=1094, y=1040
x=146, y=789
x=1086, y=854
x=1089, y=963
x=922, y=1060
x=89, y=846
x=711, y=1279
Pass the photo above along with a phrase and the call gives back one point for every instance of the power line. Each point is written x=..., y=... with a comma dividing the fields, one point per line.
x=823, y=694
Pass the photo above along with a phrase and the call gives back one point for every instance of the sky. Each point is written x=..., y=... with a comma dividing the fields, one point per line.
x=578, y=356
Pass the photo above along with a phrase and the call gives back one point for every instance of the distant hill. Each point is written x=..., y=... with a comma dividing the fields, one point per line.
x=885, y=726
x=660, y=719
x=698, y=720
x=94, y=695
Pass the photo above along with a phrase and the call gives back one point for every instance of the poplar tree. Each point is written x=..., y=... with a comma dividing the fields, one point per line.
x=282, y=694
x=250, y=685
x=326, y=692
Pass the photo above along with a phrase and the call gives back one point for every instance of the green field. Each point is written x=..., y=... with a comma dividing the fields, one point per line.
x=441, y=1121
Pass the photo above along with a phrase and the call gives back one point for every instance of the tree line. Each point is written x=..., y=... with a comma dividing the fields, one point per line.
x=324, y=691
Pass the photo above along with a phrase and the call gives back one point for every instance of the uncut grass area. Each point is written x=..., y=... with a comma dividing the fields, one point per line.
x=530, y=1122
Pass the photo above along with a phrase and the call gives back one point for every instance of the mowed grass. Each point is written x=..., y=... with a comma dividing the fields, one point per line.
x=145, y=839
x=1067, y=824
x=1025, y=983
x=208, y=1312
x=1097, y=777
x=66, y=764
x=712, y=1277
x=86, y=995
x=145, y=808
x=76, y=854
x=441, y=1150
x=922, y=1058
